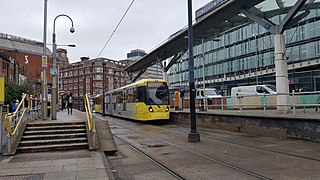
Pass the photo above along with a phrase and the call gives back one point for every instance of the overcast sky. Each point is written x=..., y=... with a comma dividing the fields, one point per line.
x=146, y=25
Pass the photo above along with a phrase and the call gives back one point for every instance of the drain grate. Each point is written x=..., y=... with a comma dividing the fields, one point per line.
x=24, y=177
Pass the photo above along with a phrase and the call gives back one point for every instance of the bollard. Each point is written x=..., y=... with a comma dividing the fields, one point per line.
x=293, y=104
x=222, y=104
x=264, y=103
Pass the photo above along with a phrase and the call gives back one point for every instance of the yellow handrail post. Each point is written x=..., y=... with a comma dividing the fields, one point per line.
x=88, y=112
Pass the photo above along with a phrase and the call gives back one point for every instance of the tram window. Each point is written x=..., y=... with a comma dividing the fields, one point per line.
x=114, y=101
x=157, y=94
x=162, y=91
x=124, y=95
x=141, y=94
x=131, y=95
x=107, y=98
x=119, y=95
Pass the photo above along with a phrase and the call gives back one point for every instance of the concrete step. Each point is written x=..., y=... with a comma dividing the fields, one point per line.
x=52, y=147
x=55, y=123
x=62, y=131
x=52, y=141
x=52, y=136
x=52, y=127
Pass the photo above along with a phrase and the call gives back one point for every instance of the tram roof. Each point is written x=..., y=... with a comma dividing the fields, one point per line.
x=141, y=81
x=207, y=28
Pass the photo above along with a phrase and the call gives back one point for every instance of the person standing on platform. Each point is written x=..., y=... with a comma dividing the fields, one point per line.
x=70, y=102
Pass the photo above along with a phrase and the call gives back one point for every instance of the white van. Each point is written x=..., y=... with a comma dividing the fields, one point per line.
x=253, y=90
x=207, y=93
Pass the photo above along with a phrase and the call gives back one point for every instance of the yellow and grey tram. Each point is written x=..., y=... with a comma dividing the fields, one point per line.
x=144, y=100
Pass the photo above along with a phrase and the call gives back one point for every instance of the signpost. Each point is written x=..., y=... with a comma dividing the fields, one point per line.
x=44, y=61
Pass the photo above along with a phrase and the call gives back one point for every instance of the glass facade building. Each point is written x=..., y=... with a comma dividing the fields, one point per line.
x=244, y=55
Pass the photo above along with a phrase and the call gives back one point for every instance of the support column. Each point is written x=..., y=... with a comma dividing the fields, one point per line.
x=165, y=73
x=281, y=74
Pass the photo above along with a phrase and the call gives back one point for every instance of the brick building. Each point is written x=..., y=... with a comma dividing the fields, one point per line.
x=86, y=76
x=21, y=58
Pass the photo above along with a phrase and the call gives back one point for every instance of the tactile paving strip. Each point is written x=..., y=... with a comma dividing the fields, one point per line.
x=24, y=177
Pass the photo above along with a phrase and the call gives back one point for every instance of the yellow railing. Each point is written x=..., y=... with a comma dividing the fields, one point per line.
x=12, y=130
x=88, y=112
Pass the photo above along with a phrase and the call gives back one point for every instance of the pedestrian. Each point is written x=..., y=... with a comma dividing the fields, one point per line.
x=70, y=102
x=63, y=103
x=14, y=105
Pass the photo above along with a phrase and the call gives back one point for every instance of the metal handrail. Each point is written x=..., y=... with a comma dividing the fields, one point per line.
x=88, y=112
x=24, y=96
x=17, y=125
x=241, y=104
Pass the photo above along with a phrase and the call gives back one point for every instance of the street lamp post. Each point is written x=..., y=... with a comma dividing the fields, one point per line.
x=103, y=89
x=54, y=85
x=44, y=64
x=193, y=136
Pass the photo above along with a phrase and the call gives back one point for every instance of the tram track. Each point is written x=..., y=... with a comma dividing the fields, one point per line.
x=254, y=147
x=161, y=165
x=215, y=160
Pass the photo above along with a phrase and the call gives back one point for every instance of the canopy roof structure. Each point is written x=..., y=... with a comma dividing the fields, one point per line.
x=223, y=18
x=216, y=21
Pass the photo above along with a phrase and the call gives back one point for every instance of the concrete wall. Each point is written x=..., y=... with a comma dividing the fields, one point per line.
x=263, y=126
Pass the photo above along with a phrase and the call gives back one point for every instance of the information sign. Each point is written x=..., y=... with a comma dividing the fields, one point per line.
x=44, y=61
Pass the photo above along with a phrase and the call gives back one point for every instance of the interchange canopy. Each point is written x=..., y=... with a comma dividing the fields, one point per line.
x=222, y=18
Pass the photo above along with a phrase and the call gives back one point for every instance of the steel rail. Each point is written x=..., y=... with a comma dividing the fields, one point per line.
x=167, y=169
x=218, y=161
x=249, y=146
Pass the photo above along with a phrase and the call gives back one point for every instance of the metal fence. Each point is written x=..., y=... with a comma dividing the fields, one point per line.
x=299, y=103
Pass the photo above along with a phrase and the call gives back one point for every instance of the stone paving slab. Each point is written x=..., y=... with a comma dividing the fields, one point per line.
x=83, y=164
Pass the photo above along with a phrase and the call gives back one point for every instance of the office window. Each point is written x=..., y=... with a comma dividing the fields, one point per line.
x=317, y=28
x=98, y=77
x=309, y=33
x=303, y=51
x=311, y=50
x=98, y=69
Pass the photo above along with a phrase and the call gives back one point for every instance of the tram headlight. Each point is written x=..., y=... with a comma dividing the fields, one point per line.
x=150, y=109
x=167, y=109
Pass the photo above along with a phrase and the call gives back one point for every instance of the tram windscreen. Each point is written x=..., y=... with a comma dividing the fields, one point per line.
x=158, y=93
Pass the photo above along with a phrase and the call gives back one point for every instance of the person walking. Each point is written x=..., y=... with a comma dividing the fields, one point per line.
x=70, y=102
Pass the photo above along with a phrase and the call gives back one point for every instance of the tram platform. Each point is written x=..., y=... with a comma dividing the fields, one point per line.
x=301, y=124
x=68, y=164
